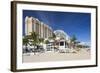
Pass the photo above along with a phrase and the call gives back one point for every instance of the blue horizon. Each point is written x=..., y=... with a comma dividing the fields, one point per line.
x=73, y=23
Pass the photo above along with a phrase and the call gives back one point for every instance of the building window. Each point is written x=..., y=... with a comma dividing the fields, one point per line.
x=61, y=43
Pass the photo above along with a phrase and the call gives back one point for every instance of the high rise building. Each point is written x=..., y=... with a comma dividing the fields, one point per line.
x=42, y=29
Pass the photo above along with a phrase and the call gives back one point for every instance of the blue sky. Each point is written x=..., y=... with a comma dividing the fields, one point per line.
x=78, y=24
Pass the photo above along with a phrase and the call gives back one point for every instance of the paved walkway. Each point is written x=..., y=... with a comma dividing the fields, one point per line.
x=51, y=56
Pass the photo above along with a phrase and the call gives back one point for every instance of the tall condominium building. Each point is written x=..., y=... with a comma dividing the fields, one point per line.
x=42, y=29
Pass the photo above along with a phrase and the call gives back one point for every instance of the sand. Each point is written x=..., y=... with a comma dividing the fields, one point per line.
x=83, y=54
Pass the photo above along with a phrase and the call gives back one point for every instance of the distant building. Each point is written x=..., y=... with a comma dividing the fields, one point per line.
x=33, y=24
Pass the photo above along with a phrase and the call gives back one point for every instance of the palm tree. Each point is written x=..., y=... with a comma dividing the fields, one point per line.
x=41, y=40
x=55, y=42
x=26, y=42
x=52, y=37
x=46, y=44
x=73, y=41
x=34, y=40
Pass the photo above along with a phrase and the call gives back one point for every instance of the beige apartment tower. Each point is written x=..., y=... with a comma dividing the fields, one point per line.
x=42, y=29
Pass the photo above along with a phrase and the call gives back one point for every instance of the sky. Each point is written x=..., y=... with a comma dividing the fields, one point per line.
x=73, y=23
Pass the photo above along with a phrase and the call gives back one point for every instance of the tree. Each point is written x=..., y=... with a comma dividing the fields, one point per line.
x=26, y=42
x=34, y=39
x=54, y=38
x=73, y=41
x=41, y=40
x=46, y=41
x=79, y=46
x=76, y=43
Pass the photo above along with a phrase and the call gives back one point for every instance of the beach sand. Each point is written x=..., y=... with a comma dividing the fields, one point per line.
x=83, y=54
